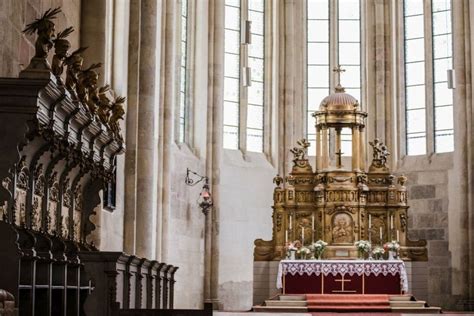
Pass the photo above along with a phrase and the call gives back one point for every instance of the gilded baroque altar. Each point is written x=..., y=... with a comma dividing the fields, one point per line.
x=337, y=204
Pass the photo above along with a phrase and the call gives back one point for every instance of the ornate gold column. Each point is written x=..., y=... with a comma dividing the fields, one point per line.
x=338, y=148
x=318, y=148
x=325, y=148
x=362, y=146
x=355, y=148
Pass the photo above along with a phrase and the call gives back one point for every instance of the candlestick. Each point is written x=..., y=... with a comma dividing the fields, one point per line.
x=302, y=236
x=380, y=233
x=398, y=235
x=286, y=236
x=391, y=221
x=290, y=221
x=370, y=221
x=312, y=221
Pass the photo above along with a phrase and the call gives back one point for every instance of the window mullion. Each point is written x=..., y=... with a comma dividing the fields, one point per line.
x=429, y=75
x=243, y=89
x=267, y=76
x=333, y=60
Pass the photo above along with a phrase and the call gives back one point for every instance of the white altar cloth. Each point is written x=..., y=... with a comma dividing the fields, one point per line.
x=349, y=267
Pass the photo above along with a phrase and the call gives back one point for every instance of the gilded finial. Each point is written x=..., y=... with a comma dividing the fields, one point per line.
x=278, y=180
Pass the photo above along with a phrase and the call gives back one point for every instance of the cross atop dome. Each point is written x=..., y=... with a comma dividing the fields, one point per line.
x=338, y=70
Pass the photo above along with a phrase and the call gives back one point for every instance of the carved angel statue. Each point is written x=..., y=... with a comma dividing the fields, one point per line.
x=61, y=49
x=104, y=105
x=300, y=153
x=380, y=151
x=74, y=68
x=87, y=89
x=44, y=27
x=118, y=112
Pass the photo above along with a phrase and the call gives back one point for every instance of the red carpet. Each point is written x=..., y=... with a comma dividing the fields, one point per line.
x=348, y=303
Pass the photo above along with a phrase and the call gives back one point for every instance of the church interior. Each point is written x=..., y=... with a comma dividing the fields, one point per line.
x=165, y=157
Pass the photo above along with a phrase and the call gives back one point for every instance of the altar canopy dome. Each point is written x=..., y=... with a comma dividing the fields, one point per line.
x=339, y=101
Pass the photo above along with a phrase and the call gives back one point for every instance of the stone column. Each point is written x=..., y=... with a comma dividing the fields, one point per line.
x=460, y=207
x=214, y=149
x=325, y=148
x=131, y=123
x=147, y=126
x=355, y=148
x=95, y=17
x=318, y=148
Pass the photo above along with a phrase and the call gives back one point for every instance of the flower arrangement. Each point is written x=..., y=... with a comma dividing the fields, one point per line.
x=363, y=246
x=303, y=252
x=292, y=248
x=392, y=246
x=378, y=252
x=318, y=248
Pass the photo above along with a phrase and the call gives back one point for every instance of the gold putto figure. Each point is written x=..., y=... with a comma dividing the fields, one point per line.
x=61, y=48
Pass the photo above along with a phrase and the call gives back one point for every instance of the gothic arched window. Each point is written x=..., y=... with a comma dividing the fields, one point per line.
x=428, y=62
x=333, y=38
x=244, y=75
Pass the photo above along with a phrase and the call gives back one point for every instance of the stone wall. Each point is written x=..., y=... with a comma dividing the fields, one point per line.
x=245, y=215
x=428, y=186
x=16, y=48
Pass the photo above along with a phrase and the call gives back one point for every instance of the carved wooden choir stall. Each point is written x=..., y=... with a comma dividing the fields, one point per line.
x=336, y=203
x=59, y=139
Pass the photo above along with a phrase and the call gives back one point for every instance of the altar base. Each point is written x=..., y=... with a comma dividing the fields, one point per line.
x=265, y=275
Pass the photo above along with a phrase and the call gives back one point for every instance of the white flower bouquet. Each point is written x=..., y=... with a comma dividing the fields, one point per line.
x=303, y=252
x=363, y=246
x=378, y=252
x=318, y=248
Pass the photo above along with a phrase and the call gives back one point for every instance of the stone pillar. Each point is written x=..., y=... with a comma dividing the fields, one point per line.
x=214, y=149
x=355, y=148
x=318, y=148
x=147, y=135
x=460, y=207
x=131, y=123
x=95, y=17
x=325, y=148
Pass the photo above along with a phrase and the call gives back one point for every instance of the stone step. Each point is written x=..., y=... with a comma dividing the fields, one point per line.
x=284, y=303
x=412, y=304
x=280, y=309
x=423, y=310
x=400, y=298
x=292, y=297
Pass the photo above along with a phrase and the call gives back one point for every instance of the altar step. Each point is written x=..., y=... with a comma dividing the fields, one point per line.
x=284, y=304
x=345, y=303
x=348, y=303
